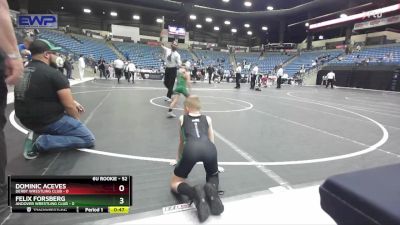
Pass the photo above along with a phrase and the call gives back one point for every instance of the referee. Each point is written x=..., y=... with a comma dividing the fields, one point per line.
x=172, y=61
x=238, y=75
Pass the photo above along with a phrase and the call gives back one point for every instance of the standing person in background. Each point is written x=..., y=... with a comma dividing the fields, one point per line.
x=125, y=71
x=111, y=70
x=254, y=73
x=11, y=69
x=210, y=71
x=60, y=63
x=238, y=75
x=301, y=75
x=102, y=67
x=331, y=78
x=324, y=80
x=172, y=61
x=131, y=71
x=279, y=74
x=194, y=73
x=81, y=66
x=203, y=74
x=118, y=66
x=68, y=67
x=23, y=49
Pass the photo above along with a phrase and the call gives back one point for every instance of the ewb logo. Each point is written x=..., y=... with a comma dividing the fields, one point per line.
x=38, y=21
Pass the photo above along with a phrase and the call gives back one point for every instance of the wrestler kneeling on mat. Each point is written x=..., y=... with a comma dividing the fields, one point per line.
x=196, y=144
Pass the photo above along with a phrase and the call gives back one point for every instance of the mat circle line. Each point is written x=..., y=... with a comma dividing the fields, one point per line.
x=277, y=163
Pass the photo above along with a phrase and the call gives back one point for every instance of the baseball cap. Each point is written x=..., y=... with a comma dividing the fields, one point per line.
x=41, y=45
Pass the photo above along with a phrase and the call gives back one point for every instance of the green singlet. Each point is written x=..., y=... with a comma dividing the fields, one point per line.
x=181, y=85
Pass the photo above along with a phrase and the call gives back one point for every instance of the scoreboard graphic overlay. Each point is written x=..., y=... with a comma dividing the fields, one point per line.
x=70, y=194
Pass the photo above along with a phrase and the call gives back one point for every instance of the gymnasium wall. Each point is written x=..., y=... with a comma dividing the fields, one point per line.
x=368, y=77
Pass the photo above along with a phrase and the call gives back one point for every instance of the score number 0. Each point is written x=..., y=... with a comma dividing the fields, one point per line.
x=121, y=188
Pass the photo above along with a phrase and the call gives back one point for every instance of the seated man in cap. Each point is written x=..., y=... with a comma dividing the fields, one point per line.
x=44, y=104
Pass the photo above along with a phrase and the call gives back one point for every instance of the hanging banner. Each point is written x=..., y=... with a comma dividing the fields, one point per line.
x=377, y=23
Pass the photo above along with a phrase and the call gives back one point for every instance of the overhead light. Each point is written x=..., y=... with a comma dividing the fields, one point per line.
x=264, y=28
x=193, y=17
x=225, y=0
x=136, y=17
x=321, y=37
x=104, y=13
x=209, y=19
x=249, y=33
x=87, y=10
x=234, y=30
x=62, y=7
x=246, y=25
x=343, y=15
x=247, y=4
x=270, y=8
x=199, y=26
x=227, y=22
x=113, y=14
x=159, y=20
x=216, y=28
x=307, y=24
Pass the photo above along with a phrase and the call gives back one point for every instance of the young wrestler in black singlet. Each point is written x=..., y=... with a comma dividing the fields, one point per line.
x=197, y=145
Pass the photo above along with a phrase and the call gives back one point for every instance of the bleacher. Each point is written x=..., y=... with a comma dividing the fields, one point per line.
x=374, y=55
x=269, y=60
x=143, y=56
x=266, y=62
x=212, y=57
x=96, y=47
x=307, y=58
x=247, y=59
x=185, y=55
x=80, y=44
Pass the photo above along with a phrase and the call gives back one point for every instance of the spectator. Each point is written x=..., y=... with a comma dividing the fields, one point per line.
x=324, y=78
x=210, y=71
x=45, y=105
x=118, y=66
x=331, y=78
x=131, y=71
x=111, y=71
x=102, y=67
x=81, y=66
x=391, y=57
x=314, y=63
x=23, y=49
x=279, y=74
x=60, y=63
x=68, y=67
x=254, y=73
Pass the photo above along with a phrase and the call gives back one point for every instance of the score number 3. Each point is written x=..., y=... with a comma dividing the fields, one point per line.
x=121, y=188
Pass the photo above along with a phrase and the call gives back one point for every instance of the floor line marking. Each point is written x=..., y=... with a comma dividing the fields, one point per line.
x=51, y=163
x=250, y=106
x=371, y=148
x=371, y=110
x=96, y=108
x=333, y=114
x=271, y=174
